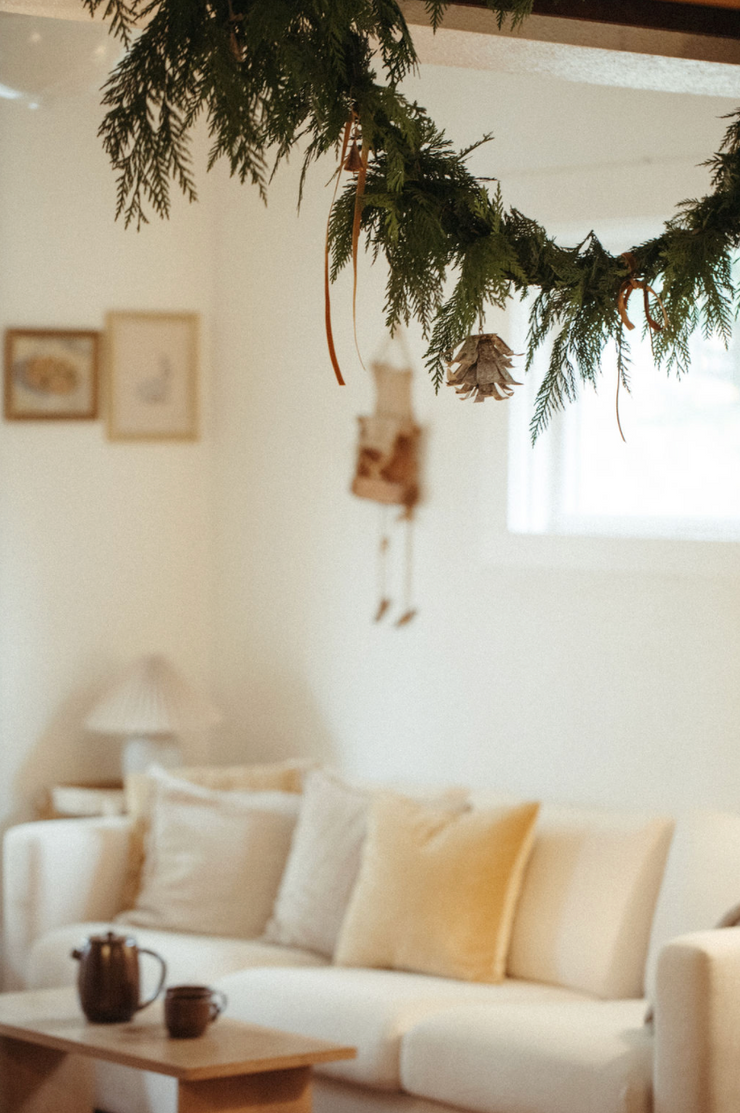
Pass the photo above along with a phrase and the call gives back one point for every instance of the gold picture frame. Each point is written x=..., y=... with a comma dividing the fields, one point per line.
x=51, y=374
x=152, y=376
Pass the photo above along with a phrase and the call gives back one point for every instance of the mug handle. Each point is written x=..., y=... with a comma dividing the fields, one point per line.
x=163, y=975
x=217, y=1007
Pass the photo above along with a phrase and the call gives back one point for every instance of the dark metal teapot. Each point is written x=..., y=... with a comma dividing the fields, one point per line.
x=108, y=978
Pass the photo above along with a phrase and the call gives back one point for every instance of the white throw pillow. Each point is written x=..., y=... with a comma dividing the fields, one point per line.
x=701, y=882
x=588, y=899
x=213, y=859
x=322, y=866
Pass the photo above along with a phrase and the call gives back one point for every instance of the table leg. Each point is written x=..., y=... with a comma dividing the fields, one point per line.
x=280, y=1091
x=36, y=1079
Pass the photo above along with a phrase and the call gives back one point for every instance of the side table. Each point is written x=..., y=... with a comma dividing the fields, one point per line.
x=67, y=801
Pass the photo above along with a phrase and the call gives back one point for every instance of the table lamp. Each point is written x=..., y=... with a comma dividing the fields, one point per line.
x=150, y=705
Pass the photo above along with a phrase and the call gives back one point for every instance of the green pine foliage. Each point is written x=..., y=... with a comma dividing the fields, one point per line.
x=273, y=75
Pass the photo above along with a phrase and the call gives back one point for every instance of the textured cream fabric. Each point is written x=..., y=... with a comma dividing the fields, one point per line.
x=190, y=958
x=587, y=900
x=58, y=872
x=279, y=776
x=213, y=859
x=553, y=1057
x=697, y=1020
x=437, y=889
x=371, y=1010
x=322, y=865
x=701, y=881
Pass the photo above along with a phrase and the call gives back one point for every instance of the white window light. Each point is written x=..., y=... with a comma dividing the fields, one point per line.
x=676, y=478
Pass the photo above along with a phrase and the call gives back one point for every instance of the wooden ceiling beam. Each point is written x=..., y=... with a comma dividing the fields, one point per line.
x=717, y=18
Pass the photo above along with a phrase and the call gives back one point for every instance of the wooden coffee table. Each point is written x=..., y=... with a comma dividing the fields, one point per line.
x=238, y=1067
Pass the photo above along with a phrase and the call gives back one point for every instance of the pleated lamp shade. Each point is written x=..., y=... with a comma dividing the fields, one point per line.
x=150, y=704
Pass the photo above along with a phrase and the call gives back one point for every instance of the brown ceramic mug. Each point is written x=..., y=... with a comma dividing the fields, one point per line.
x=189, y=1009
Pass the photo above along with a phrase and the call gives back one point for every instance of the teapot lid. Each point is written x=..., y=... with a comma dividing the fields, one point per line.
x=112, y=939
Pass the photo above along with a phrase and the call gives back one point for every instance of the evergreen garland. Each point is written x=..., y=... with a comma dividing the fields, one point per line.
x=272, y=74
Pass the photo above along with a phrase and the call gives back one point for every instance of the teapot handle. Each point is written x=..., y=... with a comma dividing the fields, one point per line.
x=158, y=990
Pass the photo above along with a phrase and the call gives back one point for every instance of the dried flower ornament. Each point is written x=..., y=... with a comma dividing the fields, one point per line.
x=484, y=363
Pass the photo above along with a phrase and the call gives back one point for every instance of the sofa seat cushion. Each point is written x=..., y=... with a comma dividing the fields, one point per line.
x=190, y=958
x=370, y=1009
x=543, y=1057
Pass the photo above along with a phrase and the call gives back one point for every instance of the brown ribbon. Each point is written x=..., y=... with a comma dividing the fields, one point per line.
x=236, y=47
x=327, y=284
x=356, y=163
x=359, y=193
x=632, y=282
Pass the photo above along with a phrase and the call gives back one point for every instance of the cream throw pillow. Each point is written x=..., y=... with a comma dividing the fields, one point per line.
x=437, y=889
x=322, y=865
x=213, y=859
x=588, y=898
x=281, y=776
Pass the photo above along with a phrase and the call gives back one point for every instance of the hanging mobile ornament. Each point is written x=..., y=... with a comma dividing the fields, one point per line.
x=483, y=372
x=383, y=546
x=387, y=471
x=409, y=612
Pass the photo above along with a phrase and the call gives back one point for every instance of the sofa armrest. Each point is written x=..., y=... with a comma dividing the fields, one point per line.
x=57, y=872
x=697, y=1024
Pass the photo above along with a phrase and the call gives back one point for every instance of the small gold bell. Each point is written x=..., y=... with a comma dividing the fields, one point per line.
x=353, y=162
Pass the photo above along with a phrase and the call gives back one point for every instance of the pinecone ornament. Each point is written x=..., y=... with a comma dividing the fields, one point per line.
x=483, y=372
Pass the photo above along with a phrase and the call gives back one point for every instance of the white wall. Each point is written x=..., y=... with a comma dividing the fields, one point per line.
x=613, y=686
x=105, y=549
x=585, y=684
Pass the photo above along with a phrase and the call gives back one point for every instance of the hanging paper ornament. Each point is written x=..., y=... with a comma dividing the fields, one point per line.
x=387, y=458
x=485, y=361
x=387, y=472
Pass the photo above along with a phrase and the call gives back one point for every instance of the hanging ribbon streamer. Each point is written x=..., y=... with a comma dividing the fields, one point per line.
x=385, y=602
x=327, y=294
x=383, y=546
x=236, y=47
x=355, y=162
x=409, y=611
x=632, y=282
x=359, y=193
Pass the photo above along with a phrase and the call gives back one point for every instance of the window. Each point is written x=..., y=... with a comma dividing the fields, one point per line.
x=677, y=476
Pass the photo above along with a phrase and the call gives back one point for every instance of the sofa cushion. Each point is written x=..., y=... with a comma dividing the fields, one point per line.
x=587, y=900
x=213, y=859
x=701, y=882
x=189, y=958
x=556, y=1057
x=369, y=1009
x=437, y=889
x=278, y=776
x=322, y=865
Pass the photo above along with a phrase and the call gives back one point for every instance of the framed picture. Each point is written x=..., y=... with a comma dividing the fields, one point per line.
x=152, y=380
x=50, y=374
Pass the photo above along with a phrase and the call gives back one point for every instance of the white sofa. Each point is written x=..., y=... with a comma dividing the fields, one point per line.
x=603, y=927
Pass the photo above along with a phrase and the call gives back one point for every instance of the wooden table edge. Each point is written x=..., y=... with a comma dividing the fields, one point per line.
x=310, y=1057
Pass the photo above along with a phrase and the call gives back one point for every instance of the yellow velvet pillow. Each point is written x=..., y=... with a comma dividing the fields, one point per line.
x=437, y=889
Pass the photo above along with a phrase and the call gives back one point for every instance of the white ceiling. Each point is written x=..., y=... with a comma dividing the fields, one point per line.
x=574, y=50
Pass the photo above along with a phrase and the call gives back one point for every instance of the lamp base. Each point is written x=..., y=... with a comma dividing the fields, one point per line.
x=139, y=753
